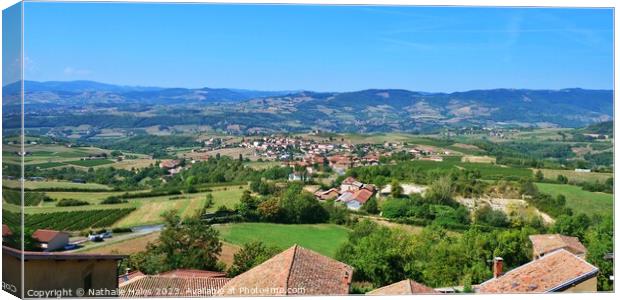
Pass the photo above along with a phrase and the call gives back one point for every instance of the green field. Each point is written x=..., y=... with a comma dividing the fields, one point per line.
x=323, y=238
x=91, y=197
x=43, y=185
x=91, y=162
x=48, y=153
x=580, y=201
x=67, y=220
x=261, y=165
x=487, y=171
x=47, y=165
x=149, y=210
x=576, y=177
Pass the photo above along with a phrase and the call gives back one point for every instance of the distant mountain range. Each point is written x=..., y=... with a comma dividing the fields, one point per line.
x=361, y=111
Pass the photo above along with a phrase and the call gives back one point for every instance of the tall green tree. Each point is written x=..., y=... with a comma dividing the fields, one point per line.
x=396, y=189
x=249, y=256
x=600, y=243
x=187, y=244
x=371, y=206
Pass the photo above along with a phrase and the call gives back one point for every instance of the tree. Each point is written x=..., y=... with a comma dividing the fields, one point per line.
x=440, y=191
x=539, y=176
x=371, y=206
x=300, y=207
x=396, y=189
x=600, y=242
x=251, y=255
x=528, y=188
x=375, y=253
x=269, y=210
x=562, y=179
x=572, y=225
x=209, y=202
x=487, y=215
x=190, y=244
x=15, y=240
x=248, y=206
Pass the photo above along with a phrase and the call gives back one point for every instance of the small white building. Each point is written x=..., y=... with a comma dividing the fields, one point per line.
x=50, y=240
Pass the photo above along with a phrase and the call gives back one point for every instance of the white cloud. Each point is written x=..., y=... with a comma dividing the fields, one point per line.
x=71, y=71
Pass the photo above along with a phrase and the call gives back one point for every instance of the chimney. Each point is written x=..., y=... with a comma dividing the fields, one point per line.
x=498, y=264
x=126, y=275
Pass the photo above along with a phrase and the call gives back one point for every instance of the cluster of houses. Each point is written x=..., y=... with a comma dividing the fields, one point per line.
x=351, y=192
x=172, y=165
x=558, y=265
x=496, y=132
x=307, y=150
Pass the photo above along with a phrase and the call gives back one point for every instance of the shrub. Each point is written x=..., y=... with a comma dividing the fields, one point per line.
x=71, y=202
x=113, y=200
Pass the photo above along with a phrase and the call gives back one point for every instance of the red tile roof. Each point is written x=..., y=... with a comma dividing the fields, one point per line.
x=6, y=231
x=165, y=286
x=545, y=243
x=295, y=271
x=349, y=180
x=193, y=273
x=129, y=276
x=555, y=271
x=404, y=287
x=46, y=235
x=362, y=196
x=169, y=164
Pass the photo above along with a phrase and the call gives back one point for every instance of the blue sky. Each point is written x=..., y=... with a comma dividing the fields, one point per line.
x=322, y=48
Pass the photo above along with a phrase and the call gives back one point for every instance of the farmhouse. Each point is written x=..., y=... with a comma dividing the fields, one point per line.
x=49, y=271
x=555, y=272
x=170, y=164
x=547, y=243
x=350, y=184
x=327, y=195
x=50, y=240
x=351, y=192
x=295, y=271
x=404, y=287
x=359, y=198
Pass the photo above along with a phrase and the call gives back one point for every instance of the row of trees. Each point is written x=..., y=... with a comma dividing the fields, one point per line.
x=437, y=257
x=290, y=205
x=383, y=255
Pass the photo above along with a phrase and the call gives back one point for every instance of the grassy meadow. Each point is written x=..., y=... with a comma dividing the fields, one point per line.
x=580, y=201
x=323, y=238
x=576, y=177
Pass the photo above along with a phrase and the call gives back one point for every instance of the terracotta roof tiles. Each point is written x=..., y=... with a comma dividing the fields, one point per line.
x=166, y=286
x=555, y=271
x=295, y=271
x=404, y=287
x=193, y=273
x=545, y=243
x=45, y=235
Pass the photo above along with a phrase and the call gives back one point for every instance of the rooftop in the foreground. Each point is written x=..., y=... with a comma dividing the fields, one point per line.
x=554, y=272
x=296, y=271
